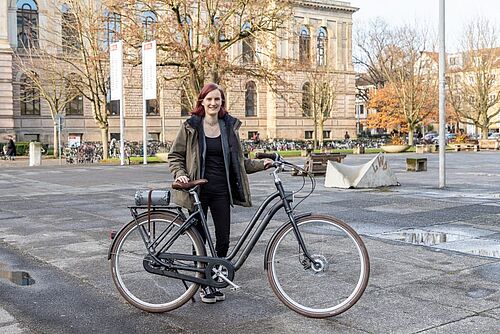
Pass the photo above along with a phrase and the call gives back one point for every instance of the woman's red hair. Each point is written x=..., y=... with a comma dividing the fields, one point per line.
x=200, y=110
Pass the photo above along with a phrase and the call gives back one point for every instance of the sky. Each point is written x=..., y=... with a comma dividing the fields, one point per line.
x=426, y=12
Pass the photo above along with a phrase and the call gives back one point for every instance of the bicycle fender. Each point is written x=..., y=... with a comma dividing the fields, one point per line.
x=125, y=226
x=297, y=217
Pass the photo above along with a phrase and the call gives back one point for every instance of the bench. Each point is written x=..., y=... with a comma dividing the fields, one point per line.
x=316, y=163
x=488, y=144
x=416, y=164
x=426, y=148
x=466, y=147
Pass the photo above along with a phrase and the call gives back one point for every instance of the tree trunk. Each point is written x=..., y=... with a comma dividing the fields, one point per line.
x=484, y=132
x=104, y=140
x=410, y=135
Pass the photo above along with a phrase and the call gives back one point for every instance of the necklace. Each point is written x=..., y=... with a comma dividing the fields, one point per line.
x=211, y=123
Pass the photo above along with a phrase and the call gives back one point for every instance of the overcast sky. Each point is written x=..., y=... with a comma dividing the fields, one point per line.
x=426, y=12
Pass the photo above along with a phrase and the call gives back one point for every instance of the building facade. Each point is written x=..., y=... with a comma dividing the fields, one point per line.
x=319, y=34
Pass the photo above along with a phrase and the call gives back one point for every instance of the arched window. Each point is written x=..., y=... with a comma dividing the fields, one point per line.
x=306, y=100
x=250, y=99
x=247, y=45
x=304, y=45
x=29, y=97
x=149, y=25
x=69, y=34
x=321, y=46
x=27, y=24
x=75, y=105
x=113, y=27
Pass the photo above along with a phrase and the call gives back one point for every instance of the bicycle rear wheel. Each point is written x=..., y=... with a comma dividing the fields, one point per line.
x=147, y=291
x=330, y=289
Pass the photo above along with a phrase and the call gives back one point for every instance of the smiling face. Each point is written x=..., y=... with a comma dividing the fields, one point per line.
x=212, y=103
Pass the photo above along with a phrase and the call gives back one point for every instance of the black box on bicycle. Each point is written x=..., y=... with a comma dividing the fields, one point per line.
x=158, y=197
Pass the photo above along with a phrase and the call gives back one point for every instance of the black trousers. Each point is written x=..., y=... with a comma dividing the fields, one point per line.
x=220, y=209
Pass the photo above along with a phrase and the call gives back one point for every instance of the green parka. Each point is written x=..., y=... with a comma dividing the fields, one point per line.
x=186, y=158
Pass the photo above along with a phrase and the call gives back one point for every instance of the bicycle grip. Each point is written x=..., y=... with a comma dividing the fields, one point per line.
x=272, y=156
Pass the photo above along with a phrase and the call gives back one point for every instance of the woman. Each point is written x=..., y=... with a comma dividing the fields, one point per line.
x=208, y=146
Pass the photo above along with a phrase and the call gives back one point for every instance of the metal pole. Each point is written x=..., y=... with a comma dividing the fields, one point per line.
x=122, y=137
x=144, y=132
x=59, y=139
x=442, y=94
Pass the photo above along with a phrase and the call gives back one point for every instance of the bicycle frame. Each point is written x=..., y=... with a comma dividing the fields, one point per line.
x=286, y=199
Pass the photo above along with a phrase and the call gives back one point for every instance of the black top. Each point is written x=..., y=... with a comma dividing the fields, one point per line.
x=215, y=172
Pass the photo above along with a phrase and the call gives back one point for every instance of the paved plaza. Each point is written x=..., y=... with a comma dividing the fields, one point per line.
x=435, y=253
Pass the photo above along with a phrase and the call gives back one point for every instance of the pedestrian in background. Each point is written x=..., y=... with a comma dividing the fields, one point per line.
x=11, y=149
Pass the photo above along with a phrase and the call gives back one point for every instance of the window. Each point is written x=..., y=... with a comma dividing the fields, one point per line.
x=320, y=47
x=115, y=136
x=361, y=109
x=27, y=24
x=308, y=134
x=113, y=27
x=152, y=108
x=187, y=28
x=69, y=34
x=113, y=108
x=29, y=97
x=149, y=25
x=154, y=136
x=306, y=100
x=252, y=134
x=304, y=45
x=250, y=99
x=471, y=79
x=248, y=46
x=326, y=134
x=75, y=106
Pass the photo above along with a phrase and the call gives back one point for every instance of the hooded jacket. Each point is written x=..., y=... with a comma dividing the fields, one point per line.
x=187, y=156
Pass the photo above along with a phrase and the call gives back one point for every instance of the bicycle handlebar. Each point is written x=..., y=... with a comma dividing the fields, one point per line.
x=273, y=156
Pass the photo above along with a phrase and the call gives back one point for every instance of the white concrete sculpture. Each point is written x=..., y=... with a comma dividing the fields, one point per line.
x=375, y=173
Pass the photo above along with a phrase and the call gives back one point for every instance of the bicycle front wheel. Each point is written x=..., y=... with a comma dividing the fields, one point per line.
x=147, y=291
x=337, y=279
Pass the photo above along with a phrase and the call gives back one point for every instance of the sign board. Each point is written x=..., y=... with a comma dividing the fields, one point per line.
x=116, y=70
x=149, y=70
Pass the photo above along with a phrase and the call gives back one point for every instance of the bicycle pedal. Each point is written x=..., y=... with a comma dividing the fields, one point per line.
x=235, y=288
x=112, y=234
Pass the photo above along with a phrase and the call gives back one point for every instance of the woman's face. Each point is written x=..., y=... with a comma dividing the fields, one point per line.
x=212, y=103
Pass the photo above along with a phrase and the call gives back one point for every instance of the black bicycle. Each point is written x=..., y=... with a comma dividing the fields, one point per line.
x=317, y=265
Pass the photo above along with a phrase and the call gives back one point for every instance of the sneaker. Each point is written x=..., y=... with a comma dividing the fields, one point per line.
x=219, y=296
x=207, y=295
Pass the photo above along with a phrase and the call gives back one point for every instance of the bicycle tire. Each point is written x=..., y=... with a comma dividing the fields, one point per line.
x=147, y=291
x=325, y=292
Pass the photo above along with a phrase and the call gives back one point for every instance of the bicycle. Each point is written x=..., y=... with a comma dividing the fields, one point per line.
x=317, y=265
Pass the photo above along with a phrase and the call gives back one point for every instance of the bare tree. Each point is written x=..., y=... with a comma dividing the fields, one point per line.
x=318, y=100
x=396, y=56
x=196, y=37
x=473, y=88
x=44, y=74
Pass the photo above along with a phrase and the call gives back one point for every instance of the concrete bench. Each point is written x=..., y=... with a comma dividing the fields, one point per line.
x=316, y=163
x=466, y=147
x=416, y=164
x=426, y=148
x=489, y=144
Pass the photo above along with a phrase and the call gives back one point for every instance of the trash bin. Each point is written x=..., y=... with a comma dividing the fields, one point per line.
x=35, y=153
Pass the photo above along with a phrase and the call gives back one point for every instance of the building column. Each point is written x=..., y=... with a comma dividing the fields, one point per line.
x=6, y=88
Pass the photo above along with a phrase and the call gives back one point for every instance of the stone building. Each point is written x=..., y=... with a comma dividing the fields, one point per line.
x=319, y=33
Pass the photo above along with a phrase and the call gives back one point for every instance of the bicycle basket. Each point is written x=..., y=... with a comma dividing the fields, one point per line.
x=158, y=197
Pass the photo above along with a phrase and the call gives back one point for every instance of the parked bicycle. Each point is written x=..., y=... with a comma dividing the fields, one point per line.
x=316, y=265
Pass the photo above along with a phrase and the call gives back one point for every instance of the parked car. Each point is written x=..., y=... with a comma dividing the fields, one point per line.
x=494, y=135
x=429, y=136
x=448, y=137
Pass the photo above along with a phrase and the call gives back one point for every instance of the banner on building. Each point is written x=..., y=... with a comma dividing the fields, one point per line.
x=149, y=70
x=116, y=70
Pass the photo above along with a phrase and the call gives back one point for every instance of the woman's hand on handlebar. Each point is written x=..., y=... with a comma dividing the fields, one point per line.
x=182, y=179
x=268, y=163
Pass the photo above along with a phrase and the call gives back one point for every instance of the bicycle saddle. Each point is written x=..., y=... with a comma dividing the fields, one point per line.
x=188, y=185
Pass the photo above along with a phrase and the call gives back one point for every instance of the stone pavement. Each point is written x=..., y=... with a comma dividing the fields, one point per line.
x=435, y=253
